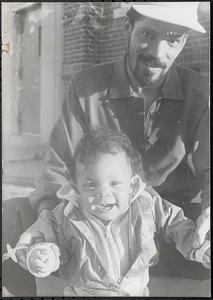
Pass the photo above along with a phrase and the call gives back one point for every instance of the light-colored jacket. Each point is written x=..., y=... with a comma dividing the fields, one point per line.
x=86, y=268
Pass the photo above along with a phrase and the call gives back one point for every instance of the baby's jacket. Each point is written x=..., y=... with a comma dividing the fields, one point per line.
x=114, y=259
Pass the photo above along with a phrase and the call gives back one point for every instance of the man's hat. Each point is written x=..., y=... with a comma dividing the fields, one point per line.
x=178, y=13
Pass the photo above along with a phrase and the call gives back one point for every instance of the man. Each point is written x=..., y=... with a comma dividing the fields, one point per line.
x=162, y=107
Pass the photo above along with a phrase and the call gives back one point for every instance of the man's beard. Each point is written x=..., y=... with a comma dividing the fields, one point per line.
x=144, y=76
x=142, y=79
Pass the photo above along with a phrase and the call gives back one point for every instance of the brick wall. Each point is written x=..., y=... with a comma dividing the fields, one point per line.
x=74, y=41
x=92, y=40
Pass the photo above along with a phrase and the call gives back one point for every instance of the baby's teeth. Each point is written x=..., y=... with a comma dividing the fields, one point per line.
x=105, y=207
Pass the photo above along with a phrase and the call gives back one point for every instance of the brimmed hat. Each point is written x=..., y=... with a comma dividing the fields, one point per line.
x=178, y=13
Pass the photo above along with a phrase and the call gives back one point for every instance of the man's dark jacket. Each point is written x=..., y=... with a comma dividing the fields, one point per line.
x=173, y=137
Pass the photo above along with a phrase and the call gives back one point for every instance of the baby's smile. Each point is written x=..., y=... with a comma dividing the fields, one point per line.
x=104, y=206
x=106, y=203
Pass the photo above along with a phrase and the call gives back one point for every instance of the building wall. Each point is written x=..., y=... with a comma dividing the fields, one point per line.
x=17, y=145
x=108, y=42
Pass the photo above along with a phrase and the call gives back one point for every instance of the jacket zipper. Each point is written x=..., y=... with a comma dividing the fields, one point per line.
x=116, y=271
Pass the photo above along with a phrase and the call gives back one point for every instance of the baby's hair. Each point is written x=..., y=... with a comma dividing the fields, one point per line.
x=105, y=141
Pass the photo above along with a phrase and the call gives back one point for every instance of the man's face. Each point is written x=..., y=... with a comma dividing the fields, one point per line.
x=104, y=185
x=152, y=48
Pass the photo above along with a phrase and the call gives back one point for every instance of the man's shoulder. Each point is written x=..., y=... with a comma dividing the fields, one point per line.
x=193, y=79
x=95, y=69
x=94, y=77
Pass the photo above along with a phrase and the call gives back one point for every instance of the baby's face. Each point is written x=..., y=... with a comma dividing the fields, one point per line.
x=105, y=185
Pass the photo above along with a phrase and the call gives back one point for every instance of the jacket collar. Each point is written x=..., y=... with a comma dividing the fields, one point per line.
x=172, y=85
x=67, y=192
x=120, y=85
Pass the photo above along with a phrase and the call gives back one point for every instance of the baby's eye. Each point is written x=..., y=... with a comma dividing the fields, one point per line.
x=90, y=185
x=115, y=183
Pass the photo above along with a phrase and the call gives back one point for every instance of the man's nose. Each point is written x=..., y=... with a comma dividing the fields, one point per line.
x=157, y=48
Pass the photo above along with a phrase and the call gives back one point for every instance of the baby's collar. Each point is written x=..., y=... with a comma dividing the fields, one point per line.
x=66, y=192
x=141, y=190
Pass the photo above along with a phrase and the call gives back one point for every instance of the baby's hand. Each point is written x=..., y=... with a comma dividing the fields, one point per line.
x=207, y=259
x=39, y=261
x=43, y=259
x=202, y=254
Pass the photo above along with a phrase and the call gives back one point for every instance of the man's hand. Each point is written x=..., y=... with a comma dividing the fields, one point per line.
x=203, y=227
x=40, y=230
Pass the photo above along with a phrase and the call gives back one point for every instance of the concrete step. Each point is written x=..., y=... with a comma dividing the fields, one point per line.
x=10, y=191
x=22, y=172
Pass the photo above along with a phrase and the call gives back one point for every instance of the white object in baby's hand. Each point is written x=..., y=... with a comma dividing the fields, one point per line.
x=43, y=259
x=11, y=253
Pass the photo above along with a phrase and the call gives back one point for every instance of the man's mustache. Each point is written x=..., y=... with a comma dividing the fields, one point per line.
x=152, y=60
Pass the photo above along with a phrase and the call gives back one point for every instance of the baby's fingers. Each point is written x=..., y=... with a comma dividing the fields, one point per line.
x=208, y=252
x=207, y=259
x=207, y=256
x=42, y=255
x=41, y=264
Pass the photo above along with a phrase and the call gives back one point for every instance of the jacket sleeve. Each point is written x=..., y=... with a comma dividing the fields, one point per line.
x=173, y=225
x=200, y=157
x=58, y=220
x=57, y=168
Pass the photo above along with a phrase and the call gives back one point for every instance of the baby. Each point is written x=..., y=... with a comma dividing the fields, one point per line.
x=106, y=223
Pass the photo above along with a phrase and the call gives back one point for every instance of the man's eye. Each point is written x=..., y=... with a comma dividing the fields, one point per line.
x=145, y=34
x=173, y=41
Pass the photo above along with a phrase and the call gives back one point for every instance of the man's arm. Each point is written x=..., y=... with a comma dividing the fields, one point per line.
x=58, y=163
x=201, y=165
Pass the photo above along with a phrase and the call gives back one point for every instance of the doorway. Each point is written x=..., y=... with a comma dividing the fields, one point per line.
x=29, y=69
